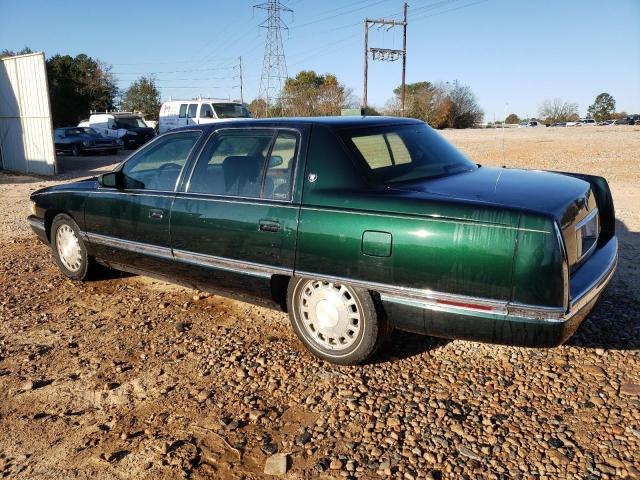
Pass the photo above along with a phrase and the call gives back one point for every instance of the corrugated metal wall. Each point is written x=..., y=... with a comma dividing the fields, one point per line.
x=26, y=136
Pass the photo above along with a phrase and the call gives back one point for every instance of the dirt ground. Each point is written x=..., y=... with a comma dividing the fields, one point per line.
x=128, y=377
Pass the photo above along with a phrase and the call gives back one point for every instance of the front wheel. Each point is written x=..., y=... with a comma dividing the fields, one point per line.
x=336, y=322
x=69, y=250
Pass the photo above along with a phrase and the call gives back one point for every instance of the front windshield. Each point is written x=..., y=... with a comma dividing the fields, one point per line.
x=405, y=153
x=231, y=110
x=130, y=122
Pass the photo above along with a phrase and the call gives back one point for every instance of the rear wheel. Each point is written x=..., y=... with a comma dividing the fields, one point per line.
x=336, y=322
x=69, y=250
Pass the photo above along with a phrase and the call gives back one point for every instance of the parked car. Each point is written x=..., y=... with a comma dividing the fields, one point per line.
x=532, y=123
x=79, y=140
x=558, y=124
x=181, y=113
x=586, y=122
x=129, y=127
x=353, y=225
x=621, y=121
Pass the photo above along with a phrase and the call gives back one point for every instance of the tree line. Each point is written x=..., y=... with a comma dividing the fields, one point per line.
x=81, y=84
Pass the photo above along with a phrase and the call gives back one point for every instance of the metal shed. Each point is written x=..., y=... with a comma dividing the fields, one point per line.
x=26, y=134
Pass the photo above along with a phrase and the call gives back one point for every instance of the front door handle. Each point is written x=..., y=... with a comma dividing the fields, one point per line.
x=156, y=214
x=269, y=226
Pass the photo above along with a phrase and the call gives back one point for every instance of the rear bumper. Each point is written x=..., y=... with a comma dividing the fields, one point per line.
x=519, y=325
x=38, y=227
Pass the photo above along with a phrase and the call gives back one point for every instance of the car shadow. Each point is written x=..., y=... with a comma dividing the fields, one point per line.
x=614, y=323
x=401, y=345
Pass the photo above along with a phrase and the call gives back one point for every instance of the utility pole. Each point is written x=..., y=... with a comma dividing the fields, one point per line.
x=240, y=65
x=404, y=57
x=386, y=54
x=274, y=66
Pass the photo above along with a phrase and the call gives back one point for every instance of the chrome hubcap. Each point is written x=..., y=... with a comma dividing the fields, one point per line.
x=68, y=248
x=330, y=314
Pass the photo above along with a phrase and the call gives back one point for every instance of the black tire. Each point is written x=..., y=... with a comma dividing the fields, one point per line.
x=372, y=327
x=75, y=150
x=81, y=267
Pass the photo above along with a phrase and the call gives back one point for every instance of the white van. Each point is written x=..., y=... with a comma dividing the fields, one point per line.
x=180, y=113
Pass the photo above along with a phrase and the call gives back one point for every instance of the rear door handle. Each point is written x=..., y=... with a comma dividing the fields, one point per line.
x=269, y=226
x=156, y=214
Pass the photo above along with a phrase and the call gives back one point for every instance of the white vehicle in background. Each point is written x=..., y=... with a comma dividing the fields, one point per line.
x=584, y=122
x=129, y=127
x=180, y=113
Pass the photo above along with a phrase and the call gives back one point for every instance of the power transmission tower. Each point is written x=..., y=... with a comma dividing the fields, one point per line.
x=274, y=66
x=386, y=54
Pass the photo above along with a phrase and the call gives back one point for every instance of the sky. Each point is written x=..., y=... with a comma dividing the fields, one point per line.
x=513, y=54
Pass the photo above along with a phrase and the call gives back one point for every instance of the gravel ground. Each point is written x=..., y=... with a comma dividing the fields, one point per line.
x=129, y=377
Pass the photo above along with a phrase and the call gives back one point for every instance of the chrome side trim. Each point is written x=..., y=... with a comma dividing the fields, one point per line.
x=240, y=266
x=429, y=299
x=210, y=261
x=36, y=223
x=129, y=245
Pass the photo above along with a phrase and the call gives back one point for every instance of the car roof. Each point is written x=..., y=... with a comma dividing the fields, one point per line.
x=332, y=122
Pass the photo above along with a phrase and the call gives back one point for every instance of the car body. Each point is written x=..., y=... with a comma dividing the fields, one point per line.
x=558, y=124
x=372, y=220
x=586, y=122
x=182, y=113
x=79, y=140
x=129, y=127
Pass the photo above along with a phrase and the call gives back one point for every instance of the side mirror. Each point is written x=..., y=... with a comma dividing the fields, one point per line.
x=113, y=127
x=111, y=180
x=275, y=161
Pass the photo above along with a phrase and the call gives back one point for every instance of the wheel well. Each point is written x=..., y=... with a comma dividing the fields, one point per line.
x=279, y=286
x=48, y=220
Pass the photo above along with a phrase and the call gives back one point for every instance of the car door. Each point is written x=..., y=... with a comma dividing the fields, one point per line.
x=130, y=225
x=192, y=111
x=234, y=221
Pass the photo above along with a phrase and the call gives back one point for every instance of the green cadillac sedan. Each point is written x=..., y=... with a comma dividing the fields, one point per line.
x=353, y=225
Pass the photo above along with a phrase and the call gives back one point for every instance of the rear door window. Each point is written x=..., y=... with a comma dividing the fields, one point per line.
x=191, y=112
x=183, y=111
x=232, y=163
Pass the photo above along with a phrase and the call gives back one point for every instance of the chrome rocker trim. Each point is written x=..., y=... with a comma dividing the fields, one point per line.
x=210, y=261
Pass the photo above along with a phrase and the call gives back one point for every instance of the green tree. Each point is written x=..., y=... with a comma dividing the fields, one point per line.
x=512, y=118
x=309, y=94
x=142, y=96
x=78, y=85
x=603, y=108
x=11, y=53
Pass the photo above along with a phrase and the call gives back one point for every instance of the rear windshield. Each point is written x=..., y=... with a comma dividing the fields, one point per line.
x=404, y=153
x=130, y=122
x=231, y=110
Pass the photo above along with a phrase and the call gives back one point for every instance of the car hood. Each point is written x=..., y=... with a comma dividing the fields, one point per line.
x=82, y=185
x=542, y=192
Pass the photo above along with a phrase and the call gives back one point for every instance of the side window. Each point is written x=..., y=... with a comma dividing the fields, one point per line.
x=232, y=163
x=191, y=113
x=183, y=111
x=206, y=111
x=277, y=181
x=157, y=166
